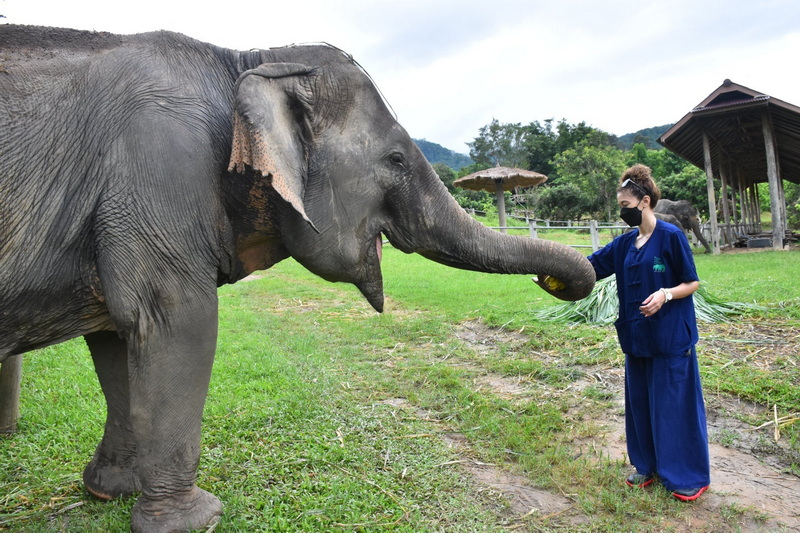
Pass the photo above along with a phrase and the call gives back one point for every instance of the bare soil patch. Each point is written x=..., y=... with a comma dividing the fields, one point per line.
x=791, y=247
x=517, y=494
x=749, y=468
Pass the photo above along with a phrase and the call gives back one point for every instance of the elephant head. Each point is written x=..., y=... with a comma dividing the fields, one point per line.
x=685, y=214
x=314, y=125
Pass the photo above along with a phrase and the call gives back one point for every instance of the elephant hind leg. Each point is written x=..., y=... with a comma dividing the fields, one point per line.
x=112, y=472
x=699, y=234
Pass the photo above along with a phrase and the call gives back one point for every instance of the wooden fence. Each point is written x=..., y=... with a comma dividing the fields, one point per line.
x=728, y=233
x=593, y=226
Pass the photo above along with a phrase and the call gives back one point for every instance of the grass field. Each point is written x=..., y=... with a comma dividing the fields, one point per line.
x=325, y=416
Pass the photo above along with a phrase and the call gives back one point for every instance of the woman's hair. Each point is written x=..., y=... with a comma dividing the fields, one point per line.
x=641, y=184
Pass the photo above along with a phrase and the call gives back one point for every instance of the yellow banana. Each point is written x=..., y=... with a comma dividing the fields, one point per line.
x=553, y=284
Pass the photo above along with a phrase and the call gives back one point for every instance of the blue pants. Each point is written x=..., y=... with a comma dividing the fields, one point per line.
x=665, y=420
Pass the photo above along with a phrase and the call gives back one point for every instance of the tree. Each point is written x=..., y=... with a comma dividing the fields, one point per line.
x=596, y=171
x=639, y=154
x=445, y=174
x=534, y=146
x=664, y=162
x=499, y=145
x=578, y=137
x=571, y=135
x=583, y=157
x=541, y=147
x=565, y=201
x=792, y=193
x=688, y=184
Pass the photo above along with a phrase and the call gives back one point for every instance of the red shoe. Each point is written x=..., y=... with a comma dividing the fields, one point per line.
x=689, y=495
x=639, y=480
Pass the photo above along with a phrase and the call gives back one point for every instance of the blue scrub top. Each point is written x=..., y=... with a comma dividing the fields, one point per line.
x=665, y=260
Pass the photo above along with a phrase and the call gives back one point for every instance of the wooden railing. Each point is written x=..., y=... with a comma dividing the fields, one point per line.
x=534, y=226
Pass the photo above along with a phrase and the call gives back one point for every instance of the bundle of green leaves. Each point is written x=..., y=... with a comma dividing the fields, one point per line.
x=602, y=305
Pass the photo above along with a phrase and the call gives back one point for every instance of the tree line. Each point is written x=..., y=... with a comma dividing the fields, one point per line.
x=583, y=165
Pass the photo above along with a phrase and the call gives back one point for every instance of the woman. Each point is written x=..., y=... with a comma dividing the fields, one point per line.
x=665, y=421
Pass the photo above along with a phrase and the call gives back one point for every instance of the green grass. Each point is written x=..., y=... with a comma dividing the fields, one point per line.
x=323, y=415
x=762, y=277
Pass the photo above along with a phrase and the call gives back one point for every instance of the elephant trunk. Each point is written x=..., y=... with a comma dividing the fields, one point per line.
x=448, y=235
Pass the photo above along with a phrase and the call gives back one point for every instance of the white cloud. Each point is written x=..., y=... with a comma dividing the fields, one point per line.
x=449, y=66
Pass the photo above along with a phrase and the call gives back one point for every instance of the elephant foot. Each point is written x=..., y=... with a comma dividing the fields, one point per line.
x=109, y=481
x=187, y=511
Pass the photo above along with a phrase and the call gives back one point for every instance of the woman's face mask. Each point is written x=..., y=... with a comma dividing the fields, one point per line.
x=632, y=216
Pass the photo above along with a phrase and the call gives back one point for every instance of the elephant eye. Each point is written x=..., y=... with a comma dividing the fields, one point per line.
x=398, y=159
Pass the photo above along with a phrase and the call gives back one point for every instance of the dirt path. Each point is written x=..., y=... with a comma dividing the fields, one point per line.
x=747, y=473
x=738, y=479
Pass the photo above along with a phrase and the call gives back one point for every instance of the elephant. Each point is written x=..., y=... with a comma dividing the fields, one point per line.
x=141, y=172
x=671, y=219
x=686, y=214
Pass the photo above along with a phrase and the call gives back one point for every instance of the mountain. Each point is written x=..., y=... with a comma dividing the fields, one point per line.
x=648, y=137
x=436, y=153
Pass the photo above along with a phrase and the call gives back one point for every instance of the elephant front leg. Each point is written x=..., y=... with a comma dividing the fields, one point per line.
x=170, y=369
x=112, y=471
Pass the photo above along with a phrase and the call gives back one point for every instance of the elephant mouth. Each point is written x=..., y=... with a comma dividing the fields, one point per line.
x=371, y=286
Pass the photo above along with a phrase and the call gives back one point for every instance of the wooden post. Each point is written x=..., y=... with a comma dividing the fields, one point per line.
x=595, y=235
x=712, y=195
x=744, y=203
x=744, y=218
x=10, y=378
x=775, y=189
x=738, y=214
x=726, y=212
x=532, y=226
x=756, y=208
x=501, y=204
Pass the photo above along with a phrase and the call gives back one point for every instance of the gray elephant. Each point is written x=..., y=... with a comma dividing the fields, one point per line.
x=671, y=219
x=139, y=173
x=683, y=211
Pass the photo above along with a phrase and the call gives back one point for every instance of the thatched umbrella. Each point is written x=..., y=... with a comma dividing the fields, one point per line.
x=499, y=180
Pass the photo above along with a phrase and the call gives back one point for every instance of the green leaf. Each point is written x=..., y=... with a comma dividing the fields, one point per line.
x=601, y=307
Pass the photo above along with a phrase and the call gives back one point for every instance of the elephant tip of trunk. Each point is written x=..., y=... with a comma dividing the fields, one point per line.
x=373, y=292
x=576, y=290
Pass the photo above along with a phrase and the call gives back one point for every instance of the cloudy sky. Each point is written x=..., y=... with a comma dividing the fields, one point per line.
x=448, y=67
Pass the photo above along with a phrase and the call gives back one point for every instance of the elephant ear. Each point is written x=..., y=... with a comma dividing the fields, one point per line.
x=271, y=127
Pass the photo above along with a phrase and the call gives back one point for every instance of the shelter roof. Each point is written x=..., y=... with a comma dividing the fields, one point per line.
x=505, y=177
x=732, y=116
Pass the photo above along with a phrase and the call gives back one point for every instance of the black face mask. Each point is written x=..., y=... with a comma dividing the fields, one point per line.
x=632, y=216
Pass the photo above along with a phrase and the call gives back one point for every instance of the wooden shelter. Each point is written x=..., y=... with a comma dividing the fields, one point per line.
x=743, y=137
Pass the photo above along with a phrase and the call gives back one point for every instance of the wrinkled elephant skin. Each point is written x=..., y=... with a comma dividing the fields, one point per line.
x=139, y=173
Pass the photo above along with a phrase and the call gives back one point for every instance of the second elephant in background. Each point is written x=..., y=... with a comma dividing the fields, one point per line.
x=684, y=213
